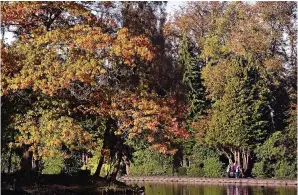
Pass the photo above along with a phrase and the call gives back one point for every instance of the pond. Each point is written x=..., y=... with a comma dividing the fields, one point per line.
x=171, y=188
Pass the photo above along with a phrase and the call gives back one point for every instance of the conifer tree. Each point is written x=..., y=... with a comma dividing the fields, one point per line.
x=191, y=66
x=239, y=118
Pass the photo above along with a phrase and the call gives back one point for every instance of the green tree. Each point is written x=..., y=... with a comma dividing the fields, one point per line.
x=239, y=120
x=191, y=67
x=274, y=158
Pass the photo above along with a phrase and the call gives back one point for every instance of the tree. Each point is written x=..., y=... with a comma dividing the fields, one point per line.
x=90, y=63
x=190, y=67
x=225, y=32
x=238, y=119
x=223, y=74
x=192, y=79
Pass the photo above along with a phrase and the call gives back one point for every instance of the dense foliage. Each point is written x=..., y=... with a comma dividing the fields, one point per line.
x=147, y=162
x=116, y=88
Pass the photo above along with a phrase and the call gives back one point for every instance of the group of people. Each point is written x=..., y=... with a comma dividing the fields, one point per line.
x=233, y=170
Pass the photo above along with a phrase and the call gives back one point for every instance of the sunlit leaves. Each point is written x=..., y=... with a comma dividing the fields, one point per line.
x=29, y=16
x=146, y=117
x=49, y=62
x=237, y=118
x=49, y=131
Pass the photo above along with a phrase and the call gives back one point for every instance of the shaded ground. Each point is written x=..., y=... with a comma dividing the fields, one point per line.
x=63, y=184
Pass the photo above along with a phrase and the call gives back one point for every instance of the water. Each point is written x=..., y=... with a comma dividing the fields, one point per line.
x=172, y=188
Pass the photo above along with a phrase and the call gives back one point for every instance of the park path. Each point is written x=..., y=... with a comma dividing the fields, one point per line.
x=198, y=180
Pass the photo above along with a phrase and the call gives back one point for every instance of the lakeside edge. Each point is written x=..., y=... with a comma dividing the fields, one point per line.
x=247, y=181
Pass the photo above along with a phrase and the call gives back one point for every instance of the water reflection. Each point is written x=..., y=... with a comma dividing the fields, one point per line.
x=205, y=189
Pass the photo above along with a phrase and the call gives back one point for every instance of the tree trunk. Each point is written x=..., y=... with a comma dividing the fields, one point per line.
x=177, y=159
x=117, y=167
x=10, y=152
x=9, y=161
x=227, y=155
x=37, y=165
x=244, y=163
x=26, y=165
x=100, y=163
x=127, y=169
x=235, y=155
x=83, y=158
x=238, y=158
x=247, y=160
x=248, y=170
x=127, y=165
x=109, y=126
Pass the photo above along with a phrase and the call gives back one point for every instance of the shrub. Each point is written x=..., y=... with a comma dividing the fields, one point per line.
x=182, y=171
x=201, y=153
x=93, y=162
x=194, y=171
x=213, y=167
x=53, y=165
x=259, y=169
x=284, y=170
x=15, y=161
x=275, y=159
x=73, y=164
x=148, y=162
x=105, y=169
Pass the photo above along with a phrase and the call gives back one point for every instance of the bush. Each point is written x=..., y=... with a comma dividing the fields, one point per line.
x=213, y=168
x=259, y=169
x=284, y=170
x=148, y=162
x=182, y=171
x=276, y=159
x=105, y=169
x=73, y=164
x=53, y=165
x=194, y=171
x=93, y=162
x=15, y=161
x=201, y=153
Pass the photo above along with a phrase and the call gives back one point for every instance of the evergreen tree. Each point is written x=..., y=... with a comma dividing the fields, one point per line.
x=239, y=119
x=192, y=66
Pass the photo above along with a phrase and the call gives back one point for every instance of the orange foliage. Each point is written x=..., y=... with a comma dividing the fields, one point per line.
x=51, y=54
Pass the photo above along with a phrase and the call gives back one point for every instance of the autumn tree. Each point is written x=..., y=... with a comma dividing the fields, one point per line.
x=68, y=51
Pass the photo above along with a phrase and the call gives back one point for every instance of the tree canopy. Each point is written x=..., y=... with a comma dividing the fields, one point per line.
x=108, y=79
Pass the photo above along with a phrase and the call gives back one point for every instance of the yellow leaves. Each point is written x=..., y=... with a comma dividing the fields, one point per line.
x=50, y=61
x=127, y=47
x=47, y=130
x=35, y=156
x=215, y=78
x=58, y=142
x=150, y=138
x=273, y=64
x=114, y=105
x=131, y=135
x=162, y=148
